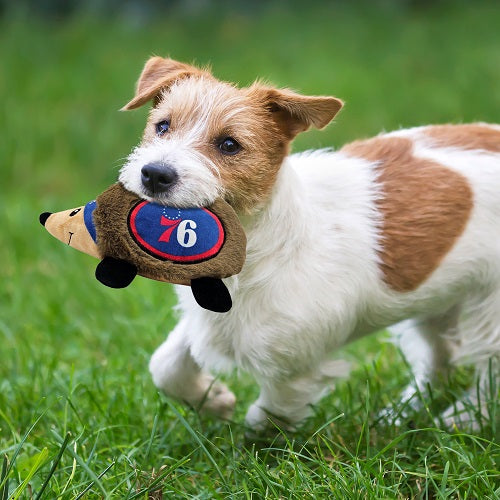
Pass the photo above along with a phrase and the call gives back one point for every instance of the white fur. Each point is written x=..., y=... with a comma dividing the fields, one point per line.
x=312, y=283
x=197, y=185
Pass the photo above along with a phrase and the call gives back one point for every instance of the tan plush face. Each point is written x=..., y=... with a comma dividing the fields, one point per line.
x=69, y=227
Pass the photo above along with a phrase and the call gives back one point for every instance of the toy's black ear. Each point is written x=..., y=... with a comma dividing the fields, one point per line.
x=211, y=294
x=115, y=273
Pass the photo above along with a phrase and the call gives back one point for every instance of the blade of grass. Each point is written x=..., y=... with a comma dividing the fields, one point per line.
x=196, y=437
x=54, y=466
x=18, y=448
x=324, y=426
x=153, y=430
x=4, y=490
x=444, y=479
x=80, y=495
x=82, y=464
x=364, y=432
x=40, y=459
x=71, y=476
x=10, y=425
x=164, y=473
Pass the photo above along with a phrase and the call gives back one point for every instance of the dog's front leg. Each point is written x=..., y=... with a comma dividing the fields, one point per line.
x=177, y=374
x=285, y=402
x=278, y=405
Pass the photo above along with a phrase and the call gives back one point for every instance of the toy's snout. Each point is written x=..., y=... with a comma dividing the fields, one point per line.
x=73, y=228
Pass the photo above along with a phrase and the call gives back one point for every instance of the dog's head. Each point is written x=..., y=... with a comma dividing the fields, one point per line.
x=206, y=138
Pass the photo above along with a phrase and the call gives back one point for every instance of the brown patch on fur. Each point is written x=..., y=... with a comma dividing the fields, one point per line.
x=474, y=136
x=425, y=208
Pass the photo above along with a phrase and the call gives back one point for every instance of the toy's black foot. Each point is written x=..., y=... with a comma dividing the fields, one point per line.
x=115, y=273
x=211, y=294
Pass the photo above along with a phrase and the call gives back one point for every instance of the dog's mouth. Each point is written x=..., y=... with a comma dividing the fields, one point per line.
x=183, y=193
x=175, y=197
x=163, y=198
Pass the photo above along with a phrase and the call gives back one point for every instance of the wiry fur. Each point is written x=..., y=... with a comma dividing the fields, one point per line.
x=314, y=274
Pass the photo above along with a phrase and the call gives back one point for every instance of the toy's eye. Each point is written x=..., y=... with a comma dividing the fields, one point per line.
x=162, y=127
x=75, y=211
x=229, y=146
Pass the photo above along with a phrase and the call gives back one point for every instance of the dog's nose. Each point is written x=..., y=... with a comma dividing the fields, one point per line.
x=158, y=177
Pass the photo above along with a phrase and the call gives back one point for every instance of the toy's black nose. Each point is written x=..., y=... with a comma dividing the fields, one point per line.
x=158, y=177
x=43, y=217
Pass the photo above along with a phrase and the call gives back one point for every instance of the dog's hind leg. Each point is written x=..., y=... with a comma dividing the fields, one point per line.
x=426, y=346
x=478, y=343
x=177, y=374
x=474, y=406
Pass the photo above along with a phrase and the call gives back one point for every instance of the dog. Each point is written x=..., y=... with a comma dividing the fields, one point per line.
x=401, y=229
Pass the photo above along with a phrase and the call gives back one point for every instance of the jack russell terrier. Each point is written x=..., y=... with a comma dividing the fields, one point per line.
x=402, y=229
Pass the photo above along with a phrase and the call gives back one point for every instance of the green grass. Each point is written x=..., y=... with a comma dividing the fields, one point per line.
x=78, y=411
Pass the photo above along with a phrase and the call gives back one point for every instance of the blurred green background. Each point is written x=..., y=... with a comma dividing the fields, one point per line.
x=78, y=351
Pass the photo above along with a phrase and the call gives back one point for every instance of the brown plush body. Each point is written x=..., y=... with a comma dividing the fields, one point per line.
x=114, y=240
x=107, y=234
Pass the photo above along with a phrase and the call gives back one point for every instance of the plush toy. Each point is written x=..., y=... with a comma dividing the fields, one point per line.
x=187, y=246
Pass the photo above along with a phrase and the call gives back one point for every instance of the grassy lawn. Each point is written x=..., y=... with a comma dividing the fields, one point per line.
x=79, y=415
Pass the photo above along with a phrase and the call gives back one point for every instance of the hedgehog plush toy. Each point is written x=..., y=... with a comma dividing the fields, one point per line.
x=186, y=246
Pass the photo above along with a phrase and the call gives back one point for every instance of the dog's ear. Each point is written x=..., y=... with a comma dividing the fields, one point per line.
x=295, y=113
x=159, y=73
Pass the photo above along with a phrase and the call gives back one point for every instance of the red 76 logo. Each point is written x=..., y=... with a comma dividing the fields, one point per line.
x=186, y=236
x=172, y=225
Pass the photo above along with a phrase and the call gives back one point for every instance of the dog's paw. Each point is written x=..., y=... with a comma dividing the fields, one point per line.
x=390, y=416
x=256, y=418
x=400, y=413
x=219, y=401
x=261, y=421
x=460, y=417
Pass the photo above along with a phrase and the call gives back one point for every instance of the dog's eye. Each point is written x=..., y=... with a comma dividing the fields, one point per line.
x=162, y=127
x=229, y=146
x=74, y=212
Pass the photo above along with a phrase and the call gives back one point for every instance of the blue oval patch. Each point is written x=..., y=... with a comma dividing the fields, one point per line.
x=176, y=234
x=88, y=213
